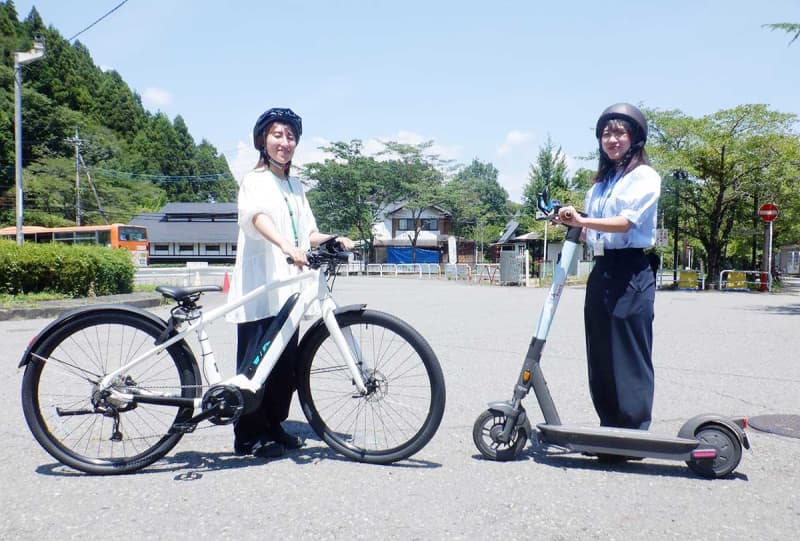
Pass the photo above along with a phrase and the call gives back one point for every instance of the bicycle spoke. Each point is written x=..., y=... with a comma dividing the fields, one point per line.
x=100, y=431
x=400, y=409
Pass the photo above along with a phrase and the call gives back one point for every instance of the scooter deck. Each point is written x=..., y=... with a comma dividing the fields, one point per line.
x=617, y=441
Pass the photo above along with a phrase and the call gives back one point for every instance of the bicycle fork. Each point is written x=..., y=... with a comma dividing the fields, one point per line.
x=346, y=344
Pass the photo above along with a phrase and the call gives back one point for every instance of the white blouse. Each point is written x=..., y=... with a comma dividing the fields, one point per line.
x=258, y=260
x=635, y=197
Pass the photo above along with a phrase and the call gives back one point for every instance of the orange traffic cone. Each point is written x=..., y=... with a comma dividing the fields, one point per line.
x=226, y=283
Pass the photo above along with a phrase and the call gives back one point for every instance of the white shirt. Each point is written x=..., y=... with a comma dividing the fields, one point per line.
x=635, y=197
x=258, y=260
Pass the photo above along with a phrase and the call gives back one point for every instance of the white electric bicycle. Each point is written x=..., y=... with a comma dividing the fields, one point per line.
x=111, y=389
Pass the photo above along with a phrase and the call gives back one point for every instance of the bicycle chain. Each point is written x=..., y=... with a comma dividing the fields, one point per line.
x=154, y=387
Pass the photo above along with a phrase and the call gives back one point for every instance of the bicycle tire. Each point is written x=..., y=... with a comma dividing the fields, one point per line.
x=60, y=379
x=404, y=407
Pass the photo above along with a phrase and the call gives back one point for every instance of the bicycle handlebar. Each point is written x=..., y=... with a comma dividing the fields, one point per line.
x=317, y=258
x=329, y=252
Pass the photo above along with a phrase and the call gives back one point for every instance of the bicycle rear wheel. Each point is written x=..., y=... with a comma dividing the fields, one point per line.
x=405, y=400
x=82, y=426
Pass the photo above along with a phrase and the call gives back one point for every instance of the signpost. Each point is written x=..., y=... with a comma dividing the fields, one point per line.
x=768, y=212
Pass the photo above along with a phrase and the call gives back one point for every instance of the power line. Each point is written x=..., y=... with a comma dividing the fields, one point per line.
x=98, y=20
x=127, y=175
x=124, y=175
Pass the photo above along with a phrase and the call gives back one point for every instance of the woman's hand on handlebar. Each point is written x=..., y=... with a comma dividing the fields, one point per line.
x=297, y=256
x=345, y=243
x=569, y=216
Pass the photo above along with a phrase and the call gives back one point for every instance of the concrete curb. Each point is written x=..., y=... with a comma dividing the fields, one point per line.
x=52, y=309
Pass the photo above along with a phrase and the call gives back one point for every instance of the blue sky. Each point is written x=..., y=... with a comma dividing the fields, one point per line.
x=486, y=80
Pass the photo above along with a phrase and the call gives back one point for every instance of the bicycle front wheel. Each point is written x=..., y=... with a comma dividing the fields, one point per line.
x=405, y=398
x=87, y=428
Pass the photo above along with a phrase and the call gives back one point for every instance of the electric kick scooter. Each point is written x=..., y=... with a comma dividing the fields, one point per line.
x=711, y=445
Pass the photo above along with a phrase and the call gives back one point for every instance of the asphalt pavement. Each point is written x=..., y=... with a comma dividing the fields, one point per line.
x=729, y=353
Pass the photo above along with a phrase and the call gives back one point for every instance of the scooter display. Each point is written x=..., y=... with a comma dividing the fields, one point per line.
x=710, y=444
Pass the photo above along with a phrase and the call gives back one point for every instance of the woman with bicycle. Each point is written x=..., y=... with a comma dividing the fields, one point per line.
x=275, y=223
x=619, y=225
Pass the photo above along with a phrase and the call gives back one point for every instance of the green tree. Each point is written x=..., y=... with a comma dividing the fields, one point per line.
x=789, y=28
x=420, y=175
x=65, y=91
x=550, y=170
x=8, y=32
x=6, y=116
x=734, y=160
x=208, y=161
x=50, y=193
x=117, y=107
x=474, y=198
x=50, y=198
x=351, y=191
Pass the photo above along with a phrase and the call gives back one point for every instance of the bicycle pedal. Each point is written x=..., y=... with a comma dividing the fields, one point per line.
x=182, y=428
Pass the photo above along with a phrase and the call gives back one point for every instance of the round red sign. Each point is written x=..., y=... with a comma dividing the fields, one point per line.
x=768, y=212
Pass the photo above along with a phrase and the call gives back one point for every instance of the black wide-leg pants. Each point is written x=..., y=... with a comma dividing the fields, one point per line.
x=278, y=389
x=618, y=314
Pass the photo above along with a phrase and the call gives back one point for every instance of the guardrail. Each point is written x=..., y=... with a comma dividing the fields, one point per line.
x=687, y=279
x=397, y=269
x=182, y=276
x=457, y=271
x=486, y=272
x=742, y=280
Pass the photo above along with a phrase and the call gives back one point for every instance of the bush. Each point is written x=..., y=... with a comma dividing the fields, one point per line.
x=77, y=271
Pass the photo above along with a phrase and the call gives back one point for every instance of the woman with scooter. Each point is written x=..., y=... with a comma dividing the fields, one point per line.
x=619, y=225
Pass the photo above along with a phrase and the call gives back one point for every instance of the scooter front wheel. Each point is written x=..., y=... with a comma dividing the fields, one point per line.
x=486, y=431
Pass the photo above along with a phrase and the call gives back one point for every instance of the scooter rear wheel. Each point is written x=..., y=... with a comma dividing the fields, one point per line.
x=728, y=447
x=488, y=426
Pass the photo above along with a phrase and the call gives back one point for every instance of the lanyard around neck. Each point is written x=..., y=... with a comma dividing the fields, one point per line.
x=610, y=182
x=289, y=208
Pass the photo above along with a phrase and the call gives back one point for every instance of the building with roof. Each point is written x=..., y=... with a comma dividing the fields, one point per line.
x=396, y=227
x=187, y=232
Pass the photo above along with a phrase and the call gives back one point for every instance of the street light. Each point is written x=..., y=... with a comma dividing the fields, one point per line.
x=20, y=59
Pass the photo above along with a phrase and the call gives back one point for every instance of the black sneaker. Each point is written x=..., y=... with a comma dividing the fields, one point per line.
x=242, y=448
x=262, y=448
x=268, y=449
x=290, y=441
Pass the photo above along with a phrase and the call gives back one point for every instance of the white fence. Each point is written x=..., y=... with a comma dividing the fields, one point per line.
x=450, y=271
x=182, y=276
x=428, y=270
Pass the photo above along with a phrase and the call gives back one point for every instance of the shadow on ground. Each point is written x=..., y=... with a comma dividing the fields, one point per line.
x=191, y=465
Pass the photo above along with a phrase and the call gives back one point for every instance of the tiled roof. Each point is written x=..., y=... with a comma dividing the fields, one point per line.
x=198, y=223
x=199, y=208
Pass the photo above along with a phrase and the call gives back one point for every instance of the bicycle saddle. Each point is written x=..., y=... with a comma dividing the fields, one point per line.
x=180, y=293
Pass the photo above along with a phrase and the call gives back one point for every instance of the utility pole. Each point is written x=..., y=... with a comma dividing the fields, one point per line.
x=20, y=59
x=754, y=241
x=94, y=190
x=77, y=141
x=679, y=176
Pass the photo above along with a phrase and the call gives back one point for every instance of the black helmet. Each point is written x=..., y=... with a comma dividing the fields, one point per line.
x=276, y=114
x=624, y=111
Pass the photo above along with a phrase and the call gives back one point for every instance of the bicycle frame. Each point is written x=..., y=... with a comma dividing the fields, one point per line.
x=309, y=297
